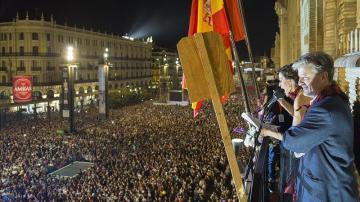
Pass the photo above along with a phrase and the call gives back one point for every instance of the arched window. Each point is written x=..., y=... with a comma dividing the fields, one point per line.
x=50, y=94
x=81, y=90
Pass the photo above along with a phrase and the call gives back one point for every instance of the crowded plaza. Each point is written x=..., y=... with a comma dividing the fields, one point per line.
x=142, y=153
x=201, y=100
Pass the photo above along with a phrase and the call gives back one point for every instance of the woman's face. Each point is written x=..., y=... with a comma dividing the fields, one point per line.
x=285, y=84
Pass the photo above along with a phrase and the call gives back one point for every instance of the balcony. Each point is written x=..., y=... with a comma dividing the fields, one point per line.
x=23, y=69
x=3, y=69
x=130, y=78
x=86, y=81
x=53, y=83
x=114, y=58
x=50, y=68
x=30, y=54
x=36, y=69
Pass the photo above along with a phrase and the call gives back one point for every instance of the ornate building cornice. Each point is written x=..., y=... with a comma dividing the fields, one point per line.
x=282, y=3
x=280, y=9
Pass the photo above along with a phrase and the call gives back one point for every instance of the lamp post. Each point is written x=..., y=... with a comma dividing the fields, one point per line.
x=68, y=89
x=103, y=76
x=164, y=79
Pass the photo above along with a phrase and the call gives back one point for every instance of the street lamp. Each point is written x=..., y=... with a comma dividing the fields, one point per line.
x=103, y=76
x=70, y=54
x=68, y=88
x=106, y=54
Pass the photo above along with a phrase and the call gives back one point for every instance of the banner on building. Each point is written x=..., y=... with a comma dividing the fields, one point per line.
x=22, y=88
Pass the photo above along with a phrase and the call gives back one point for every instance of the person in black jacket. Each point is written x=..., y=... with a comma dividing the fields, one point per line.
x=274, y=114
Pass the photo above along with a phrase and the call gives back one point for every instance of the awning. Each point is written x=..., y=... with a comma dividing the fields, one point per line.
x=349, y=60
x=352, y=60
x=340, y=62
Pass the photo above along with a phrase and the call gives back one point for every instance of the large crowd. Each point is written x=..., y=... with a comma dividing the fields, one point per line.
x=141, y=153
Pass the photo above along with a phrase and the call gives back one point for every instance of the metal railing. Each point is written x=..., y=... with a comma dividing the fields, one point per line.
x=50, y=68
x=38, y=54
x=21, y=69
x=58, y=82
x=36, y=69
x=16, y=54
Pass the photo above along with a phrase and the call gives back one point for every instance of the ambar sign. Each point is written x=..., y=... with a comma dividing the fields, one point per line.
x=22, y=88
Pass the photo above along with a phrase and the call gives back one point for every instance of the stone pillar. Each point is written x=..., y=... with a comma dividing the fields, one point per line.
x=315, y=16
x=356, y=40
x=281, y=12
x=346, y=20
x=358, y=14
x=331, y=40
x=319, y=25
x=293, y=30
x=351, y=41
x=275, y=51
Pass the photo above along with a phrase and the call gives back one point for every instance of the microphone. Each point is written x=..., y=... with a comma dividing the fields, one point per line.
x=280, y=93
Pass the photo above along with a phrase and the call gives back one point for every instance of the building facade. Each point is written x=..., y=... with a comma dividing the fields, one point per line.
x=167, y=72
x=316, y=25
x=332, y=26
x=37, y=48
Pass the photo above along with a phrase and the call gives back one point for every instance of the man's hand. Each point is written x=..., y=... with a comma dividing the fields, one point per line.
x=265, y=132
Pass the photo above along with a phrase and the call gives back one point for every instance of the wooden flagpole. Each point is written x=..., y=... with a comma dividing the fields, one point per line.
x=220, y=116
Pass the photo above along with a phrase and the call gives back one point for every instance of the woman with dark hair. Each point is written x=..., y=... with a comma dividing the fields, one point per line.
x=289, y=83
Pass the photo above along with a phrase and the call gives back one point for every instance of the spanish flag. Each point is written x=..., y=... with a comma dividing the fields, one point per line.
x=209, y=15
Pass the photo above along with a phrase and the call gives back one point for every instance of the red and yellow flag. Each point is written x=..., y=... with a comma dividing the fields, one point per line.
x=237, y=24
x=209, y=15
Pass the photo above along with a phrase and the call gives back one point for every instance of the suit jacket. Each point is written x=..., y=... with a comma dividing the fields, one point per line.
x=326, y=135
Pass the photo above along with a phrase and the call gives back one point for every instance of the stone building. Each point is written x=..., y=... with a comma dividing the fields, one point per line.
x=37, y=47
x=167, y=71
x=332, y=26
x=316, y=25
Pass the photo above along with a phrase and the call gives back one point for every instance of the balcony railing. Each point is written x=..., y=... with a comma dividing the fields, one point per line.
x=35, y=69
x=37, y=54
x=3, y=69
x=86, y=81
x=50, y=68
x=30, y=54
x=21, y=69
x=115, y=58
x=131, y=78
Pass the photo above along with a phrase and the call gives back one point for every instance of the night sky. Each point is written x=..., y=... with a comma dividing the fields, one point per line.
x=166, y=20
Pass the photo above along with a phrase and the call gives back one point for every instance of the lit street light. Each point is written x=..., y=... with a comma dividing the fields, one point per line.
x=103, y=76
x=70, y=54
x=68, y=90
x=106, y=54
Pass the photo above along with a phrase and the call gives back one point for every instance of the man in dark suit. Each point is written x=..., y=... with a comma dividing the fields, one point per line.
x=325, y=135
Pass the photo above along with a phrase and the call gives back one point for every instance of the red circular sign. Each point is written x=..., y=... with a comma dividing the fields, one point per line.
x=22, y=88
